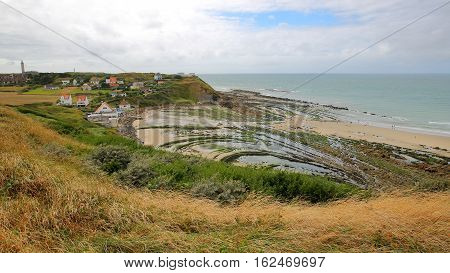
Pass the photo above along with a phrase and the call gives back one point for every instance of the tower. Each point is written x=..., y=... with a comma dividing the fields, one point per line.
x=22, y=65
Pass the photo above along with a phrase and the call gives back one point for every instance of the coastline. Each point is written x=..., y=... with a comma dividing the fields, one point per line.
x=439, y=145
x=376, y=119
x=401, y=137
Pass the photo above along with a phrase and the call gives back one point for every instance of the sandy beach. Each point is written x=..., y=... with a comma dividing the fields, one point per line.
x=410, y=140
x=416, y=141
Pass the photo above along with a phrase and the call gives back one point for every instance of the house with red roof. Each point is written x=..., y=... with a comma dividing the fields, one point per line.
x=82, y=101
x=113, y=82
x=65, y=99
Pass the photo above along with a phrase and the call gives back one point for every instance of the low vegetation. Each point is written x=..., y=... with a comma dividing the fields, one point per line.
x=53, y=200
x=69, y=185
x=179, y=172
x=12, y=98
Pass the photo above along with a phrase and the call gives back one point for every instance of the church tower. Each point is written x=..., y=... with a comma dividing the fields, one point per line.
x=22, y=65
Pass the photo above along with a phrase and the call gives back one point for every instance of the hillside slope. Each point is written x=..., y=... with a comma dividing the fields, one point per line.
x=52, y=201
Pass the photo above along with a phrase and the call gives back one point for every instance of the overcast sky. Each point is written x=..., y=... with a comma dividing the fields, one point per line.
x=232, y=36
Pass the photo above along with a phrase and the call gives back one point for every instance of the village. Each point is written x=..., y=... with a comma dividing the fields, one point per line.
x=103, y=98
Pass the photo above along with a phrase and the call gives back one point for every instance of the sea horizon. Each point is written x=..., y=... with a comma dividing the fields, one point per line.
x=409, y=101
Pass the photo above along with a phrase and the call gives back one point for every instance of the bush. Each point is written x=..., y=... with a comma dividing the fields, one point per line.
x=433, y=185
x=55, y=150
x=138, y=174
x=111, y=158
x=314, y=189
x=226, y=192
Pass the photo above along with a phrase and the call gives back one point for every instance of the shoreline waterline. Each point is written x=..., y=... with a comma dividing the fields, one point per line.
x=422, y=110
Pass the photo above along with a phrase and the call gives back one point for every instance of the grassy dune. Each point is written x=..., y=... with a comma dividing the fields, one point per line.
x=51, y=200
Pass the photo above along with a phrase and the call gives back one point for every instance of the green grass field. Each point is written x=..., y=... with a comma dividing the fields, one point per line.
x=66, y=90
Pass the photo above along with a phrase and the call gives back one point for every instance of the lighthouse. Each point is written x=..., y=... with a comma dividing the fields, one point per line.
x=22, y=65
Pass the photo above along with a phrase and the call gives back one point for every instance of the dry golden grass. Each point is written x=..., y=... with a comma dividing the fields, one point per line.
x=50, y=203
x=10, y=98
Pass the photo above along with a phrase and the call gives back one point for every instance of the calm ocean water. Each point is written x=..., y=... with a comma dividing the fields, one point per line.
x=411, y=102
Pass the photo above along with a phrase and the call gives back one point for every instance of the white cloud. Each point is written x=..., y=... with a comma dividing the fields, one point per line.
x=174, y=36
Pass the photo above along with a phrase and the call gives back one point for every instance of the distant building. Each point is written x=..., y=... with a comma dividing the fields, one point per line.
x=22, y=66
x=124, y=105
x=94, y=81
x=75, y=82
x=14, y=78
x=184, y=75
x=113, y=82
x=137, y=85
x=120, y=82
x=51, y=87
x=65, y=81
x=158, y=77
x=65, y=99
x=82, y=101
x=104, y=108
x=8, y=79
x=86, y=87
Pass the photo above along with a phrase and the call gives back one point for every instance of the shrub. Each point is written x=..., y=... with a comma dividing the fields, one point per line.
x=433, y=185
x=314, y=189
x=55, y=150
x=111, y=158
x=138, y=174
x=230, y=191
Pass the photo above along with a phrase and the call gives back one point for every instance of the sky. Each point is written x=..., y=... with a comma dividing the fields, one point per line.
x=233, y=36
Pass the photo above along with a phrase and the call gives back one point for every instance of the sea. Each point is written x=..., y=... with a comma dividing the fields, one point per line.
x=410, y=102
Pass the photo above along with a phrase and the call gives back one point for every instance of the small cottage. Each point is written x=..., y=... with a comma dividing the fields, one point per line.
x=82, y=101
x=104, y=108
x=65, y=81
x=94, y=81
x=86, y=87
x=112, y=82
x=124, y=105
x=158, y=77
x=65, y=99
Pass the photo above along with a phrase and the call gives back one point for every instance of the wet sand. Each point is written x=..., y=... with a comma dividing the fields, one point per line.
x=416, y=141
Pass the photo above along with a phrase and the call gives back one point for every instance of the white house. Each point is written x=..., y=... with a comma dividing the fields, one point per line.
x=120, y=82
x=82, y=101
x=158, y=77
x=86, y=87
x=104, y=108
x=65, y=81
x=124, y=105
x=74, y=82
x=65, y=100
